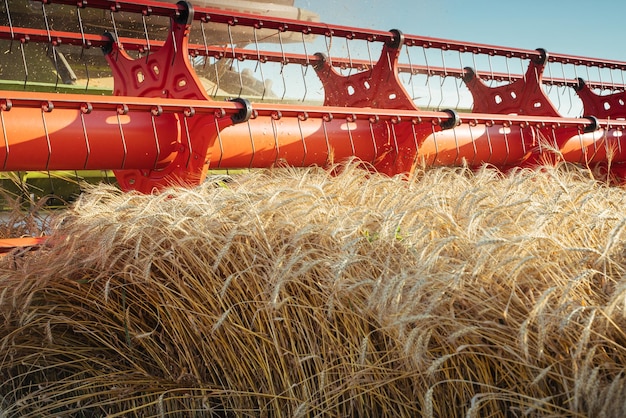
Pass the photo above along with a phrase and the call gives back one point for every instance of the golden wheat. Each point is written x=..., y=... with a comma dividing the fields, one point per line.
x=298, y=293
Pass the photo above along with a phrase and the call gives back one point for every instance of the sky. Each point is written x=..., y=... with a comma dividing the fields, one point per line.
x=589, y=28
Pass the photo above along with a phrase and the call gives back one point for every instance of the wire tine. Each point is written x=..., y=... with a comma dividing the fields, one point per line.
x=430, y=95
x=349, y=57
x=217, y=77
x=305, y=68
x=8, y=12
x=369, y=56
x=328, y=40
x=117, y=38
x=82, y=32
x=234, y=59
x=54, y=55
x=412, y=72
x=251, y=145
x=506, y=144
x=600, y=79
x=86, y=137
x=395, y=143
x=489, y=143
x=24, y=63
x=276, y=144
x=122, y=137
x=259, y=61
x=329, y=156
x=157, y=112
x=456, y=145
x=474, y=148
x=186, y=115
x=459, y=82
x=434, y=136
x=204, y=42
x=145, y=32
x=219, y=142
x=6, y=140
x=300, y=119
x=443, y=79
x=47, y=135
x=283, y=62
x=372, y=121
x=349, y=120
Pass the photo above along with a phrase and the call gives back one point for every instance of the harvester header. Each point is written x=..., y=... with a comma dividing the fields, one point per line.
x=161, y=92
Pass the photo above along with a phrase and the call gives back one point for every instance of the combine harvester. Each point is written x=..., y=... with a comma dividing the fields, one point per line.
x=217, y=84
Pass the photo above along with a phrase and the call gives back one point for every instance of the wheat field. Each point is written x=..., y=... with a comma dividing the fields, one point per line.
x=299, y=293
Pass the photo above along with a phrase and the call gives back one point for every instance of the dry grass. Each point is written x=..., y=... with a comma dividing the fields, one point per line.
x=296, y=293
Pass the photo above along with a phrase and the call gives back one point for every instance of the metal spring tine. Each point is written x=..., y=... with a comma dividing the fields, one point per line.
x=156, y=112
x=8, y=12
x=430, y=95
x=188, y=113
x=415, y=142
x=443, y=79
x=411, y=71
x=122, y=110
x=456, y=145
x=459, y=82
x=492, y=81
x=558, y=96
x=395, y=142
x=275, y=116
x=489, y=142
x=117, y=38
x=85, y=45
x=85, y=109
x=46, y=108
x=22, y=42
x=369, y=56
x=6, y=139
x=600, y=79
x=521, y=132
x=372, y=121
x=349, y=120
x=474, y=148
x=217, y=77
x=304, y=69
x=551, y=85
x=204, y=42
x=569, y=94
x=302, y=117
x=283, y=62
x=508, y=71
x=259, y=65
x=434, y=136
x=325, y=119
x=506, y=144
x=584, y=157
x=51, y=45
x=232, y=47
x=349, y=56
x=251, y=144
x=588, y=74
x=82, y=31
x=328, y=40
x=219, y=142
x=145, y=32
